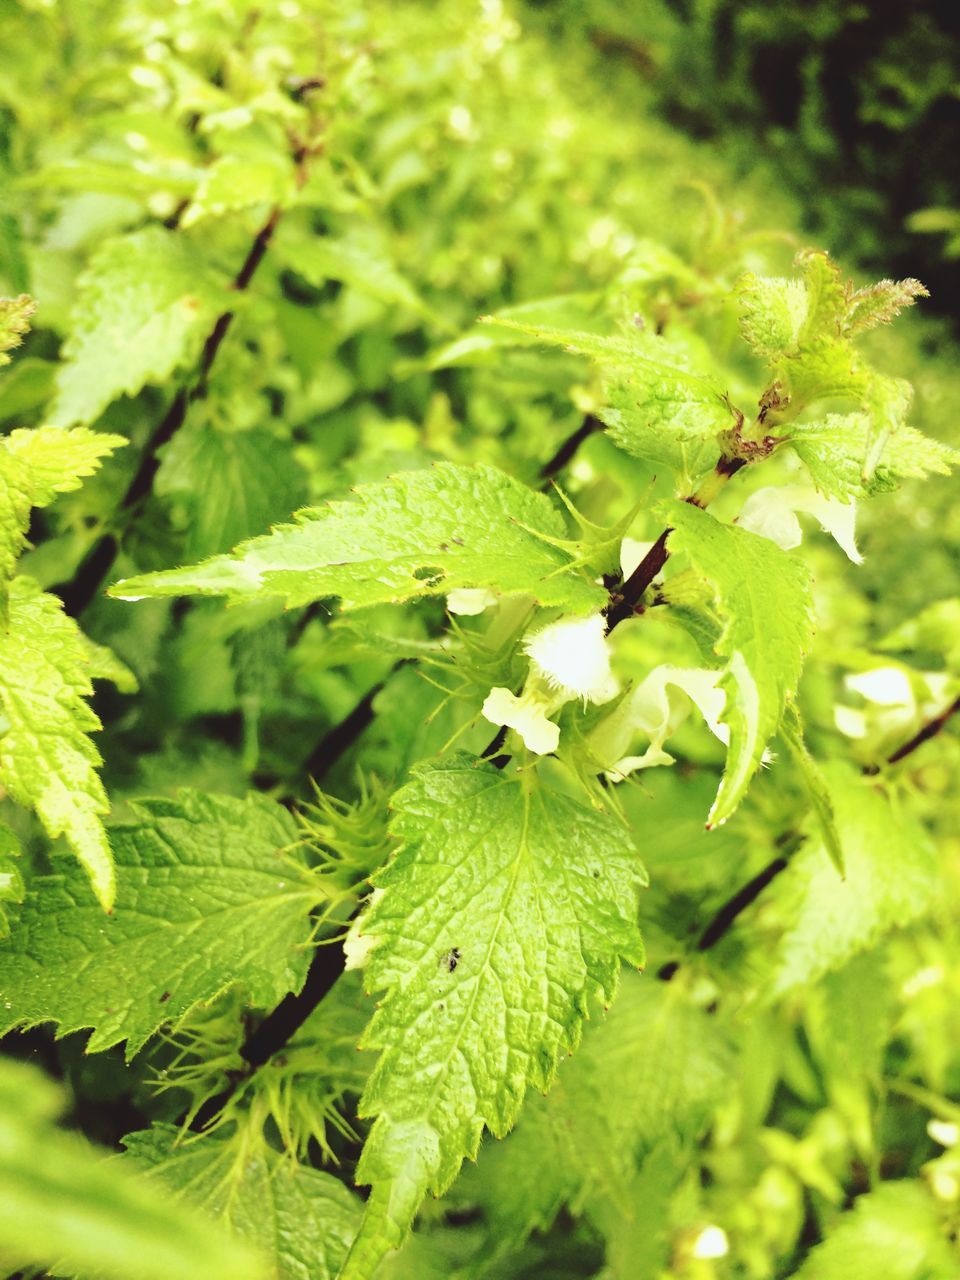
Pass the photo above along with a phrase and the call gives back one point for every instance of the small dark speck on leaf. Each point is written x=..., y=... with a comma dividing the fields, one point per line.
x=165, y=997
x=451, y=959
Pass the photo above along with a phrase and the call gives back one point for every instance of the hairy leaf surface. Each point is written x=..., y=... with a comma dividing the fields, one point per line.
x=300, y=1219
x=205, y=899
x=507, y=908
x=421, y=533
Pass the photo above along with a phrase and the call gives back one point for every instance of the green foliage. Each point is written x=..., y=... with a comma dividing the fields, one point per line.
x=63, y=1206
x=209, y=897
x=422, y=534
x=488, y=980
x=450, y=577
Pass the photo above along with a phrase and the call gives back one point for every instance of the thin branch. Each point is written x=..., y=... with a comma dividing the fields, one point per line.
x=725, y=918
x=928, y=731
x=78, y=593
x=565, y=452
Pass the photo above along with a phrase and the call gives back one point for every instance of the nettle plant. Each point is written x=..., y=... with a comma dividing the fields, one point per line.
x=490, y=901
x=622, y=846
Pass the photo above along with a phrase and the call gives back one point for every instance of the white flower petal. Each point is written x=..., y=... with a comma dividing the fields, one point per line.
x=526, y=714
x=771, y=512
x=886, y=686
x=469, y=601
x=573, y=656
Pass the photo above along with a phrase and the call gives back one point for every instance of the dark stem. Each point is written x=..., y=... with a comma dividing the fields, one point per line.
x=569, y=447
x=96, y=565
x=342, y=736
x=628, y=597
x=724, y=920
x=928, y=731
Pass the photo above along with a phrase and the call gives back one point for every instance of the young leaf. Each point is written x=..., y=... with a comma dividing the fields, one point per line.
x=421, y=533
x=146, y=302
x=764, y=597
x=65, y=1207
x=833, y=450
x=815, y=784
x=15, y=316
x=47, y=760
x=206, y=898
x=300, y=1219
x=890, y=877
x=507, y=908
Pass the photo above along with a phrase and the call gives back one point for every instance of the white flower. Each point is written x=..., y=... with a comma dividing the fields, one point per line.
x=656, y=708
x=527, y=714
x=771, y=512
x=886, y=686
x=944, y=1132
x=573, y=657
x=711, y=1243
x=469, y=601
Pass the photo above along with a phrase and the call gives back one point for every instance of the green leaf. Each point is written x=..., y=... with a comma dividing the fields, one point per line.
x=34, y=467
x=231, y=485
x=880, y=303
x=58, y=460
x=234, y=183
x=47, y=760
x=146, y=303
x=666, y=1064
x=896, y=1231
x=66, y=1207
x=772, y=313
x=421, y=533
x=15, y=316
x=358, y=261
x=300, y=1219
x=763, y=596
x=834, y=448
x=11, y=881
x=666, y=420
x=504, y=913
x=890, y=879
x=206, y=899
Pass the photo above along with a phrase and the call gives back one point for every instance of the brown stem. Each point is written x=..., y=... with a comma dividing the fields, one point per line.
x=569, y=447
x=924, y=734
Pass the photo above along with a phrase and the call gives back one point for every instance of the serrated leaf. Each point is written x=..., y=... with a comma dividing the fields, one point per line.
x=15, y=316
x=896, y=1231
x=505, y=912
x=300, y=1219
x=59, y=460
x=666, y=421
x=421, y=533
x=772, y=313
x=234, y=183
x=833, y=451
x=64, y=1206
x=664, y=1062
x=880, y=303
x=365, y=265
x=890, y=878
x=147, y=300
x=205, y=899
x=47, y=760
x=763, y=596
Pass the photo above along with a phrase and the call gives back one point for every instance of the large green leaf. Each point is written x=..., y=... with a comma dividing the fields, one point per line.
x=833, y=450
x=47, y=759
x=508, y=907
x=420, y=533
x=764, y=598
x=300, y=1219
x=146, y=302
x=206, y=899
x=65, y=1206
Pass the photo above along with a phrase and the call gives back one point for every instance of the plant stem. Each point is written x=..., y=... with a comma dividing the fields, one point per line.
x=568, y=448
x=924, y=734
x=626, y=600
